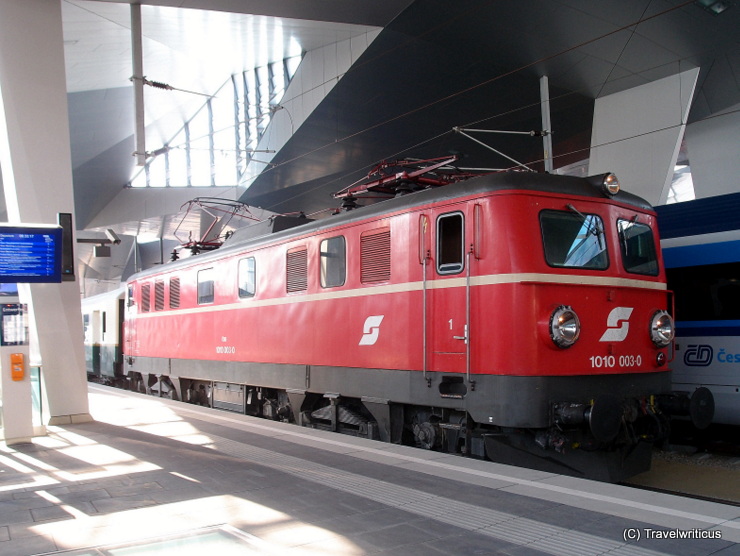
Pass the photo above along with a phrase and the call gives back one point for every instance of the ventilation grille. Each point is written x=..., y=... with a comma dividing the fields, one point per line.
x=146, y=298
x=174, y=293
x=297, y=271
x=375, y=255
x=158, y=296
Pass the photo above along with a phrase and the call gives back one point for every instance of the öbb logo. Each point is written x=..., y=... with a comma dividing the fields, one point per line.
x=371, y=330
x=698, y=355
x=616, y=332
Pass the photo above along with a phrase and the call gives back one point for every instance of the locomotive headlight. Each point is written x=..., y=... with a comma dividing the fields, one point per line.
x=564, y=326
x=610, y=184
x=607, y=183
x=662, y=330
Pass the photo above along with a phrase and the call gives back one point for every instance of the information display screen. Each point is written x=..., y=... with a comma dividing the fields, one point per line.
x=30, y=254
x=13, y=324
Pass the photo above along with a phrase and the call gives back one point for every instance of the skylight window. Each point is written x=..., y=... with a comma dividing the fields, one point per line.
x=715, y=7
x=213, y=147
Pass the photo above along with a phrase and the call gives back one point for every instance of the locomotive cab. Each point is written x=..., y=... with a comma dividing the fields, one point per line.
x=572, y=359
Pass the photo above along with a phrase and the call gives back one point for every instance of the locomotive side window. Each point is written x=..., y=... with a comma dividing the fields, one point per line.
x=574, y=240
x=638, y=248
x=450, y=243
x=296, y=279
x=247, y=277
x=130, y=295
x=174, y=292
x=375, y=256
x=158, y=295
x=333, y=262
x=205, y=286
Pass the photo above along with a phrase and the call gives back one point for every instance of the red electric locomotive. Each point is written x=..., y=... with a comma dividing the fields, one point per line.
x=517, y=316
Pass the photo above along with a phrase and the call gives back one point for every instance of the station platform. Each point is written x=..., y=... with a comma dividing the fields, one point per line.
x=152, y=476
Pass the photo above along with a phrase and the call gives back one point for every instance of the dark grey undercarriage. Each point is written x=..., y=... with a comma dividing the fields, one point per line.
x=598, y=427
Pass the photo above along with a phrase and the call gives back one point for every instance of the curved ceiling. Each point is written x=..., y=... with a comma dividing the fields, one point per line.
x=439, y=65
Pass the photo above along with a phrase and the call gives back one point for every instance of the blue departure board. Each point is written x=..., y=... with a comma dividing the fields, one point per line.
x=30, y=254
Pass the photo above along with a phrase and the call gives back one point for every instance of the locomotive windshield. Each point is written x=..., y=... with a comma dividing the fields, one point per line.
x=638, y=248
x=574, y=240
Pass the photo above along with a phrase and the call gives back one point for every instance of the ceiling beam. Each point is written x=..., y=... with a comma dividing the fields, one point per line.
x=378, y=12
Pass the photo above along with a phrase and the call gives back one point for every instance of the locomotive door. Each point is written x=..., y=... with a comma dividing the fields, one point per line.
x=129, y=323
x=446, y=294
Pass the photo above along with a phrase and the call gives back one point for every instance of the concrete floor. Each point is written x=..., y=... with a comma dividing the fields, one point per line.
x=152, y=476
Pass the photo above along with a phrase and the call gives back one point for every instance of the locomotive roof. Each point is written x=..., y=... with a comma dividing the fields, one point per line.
x=504, y=181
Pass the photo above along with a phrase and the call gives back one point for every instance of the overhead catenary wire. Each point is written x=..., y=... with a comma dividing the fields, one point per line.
x=485, y=82
x=462, y=131
x=166, y=87
x=323, y=184
x=346, y=175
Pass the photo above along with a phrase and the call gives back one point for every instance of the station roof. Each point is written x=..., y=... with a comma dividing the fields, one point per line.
x=433, y=66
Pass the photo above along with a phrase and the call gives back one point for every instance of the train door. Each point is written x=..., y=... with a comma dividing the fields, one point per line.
x=446, y=293
x=120, y=315
x=130, y=346
x=96, y=340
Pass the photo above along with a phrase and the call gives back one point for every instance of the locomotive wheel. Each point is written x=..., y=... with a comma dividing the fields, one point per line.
x=426, y=436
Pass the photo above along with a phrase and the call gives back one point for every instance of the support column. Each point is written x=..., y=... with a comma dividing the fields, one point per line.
x=37, y=178
x=637, y=134
x=138, y=79
x=712, y=146
x=546, y=123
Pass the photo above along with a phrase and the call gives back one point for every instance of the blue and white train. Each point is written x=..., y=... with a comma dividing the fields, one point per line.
x=701, y=251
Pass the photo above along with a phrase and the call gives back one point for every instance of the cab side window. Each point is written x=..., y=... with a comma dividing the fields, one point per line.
x=333, y=262
x=450, y=243
x=206, y=292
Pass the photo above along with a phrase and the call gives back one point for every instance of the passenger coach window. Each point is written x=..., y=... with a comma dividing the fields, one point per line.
x=706, y=292
x=638, y=248
x=450, y=243
x=247, y=277
x=205, y=286
x=333, y=262
x=574, y=240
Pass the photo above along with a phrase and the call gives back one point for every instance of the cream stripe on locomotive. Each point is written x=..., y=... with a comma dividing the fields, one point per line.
x=491, y=279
